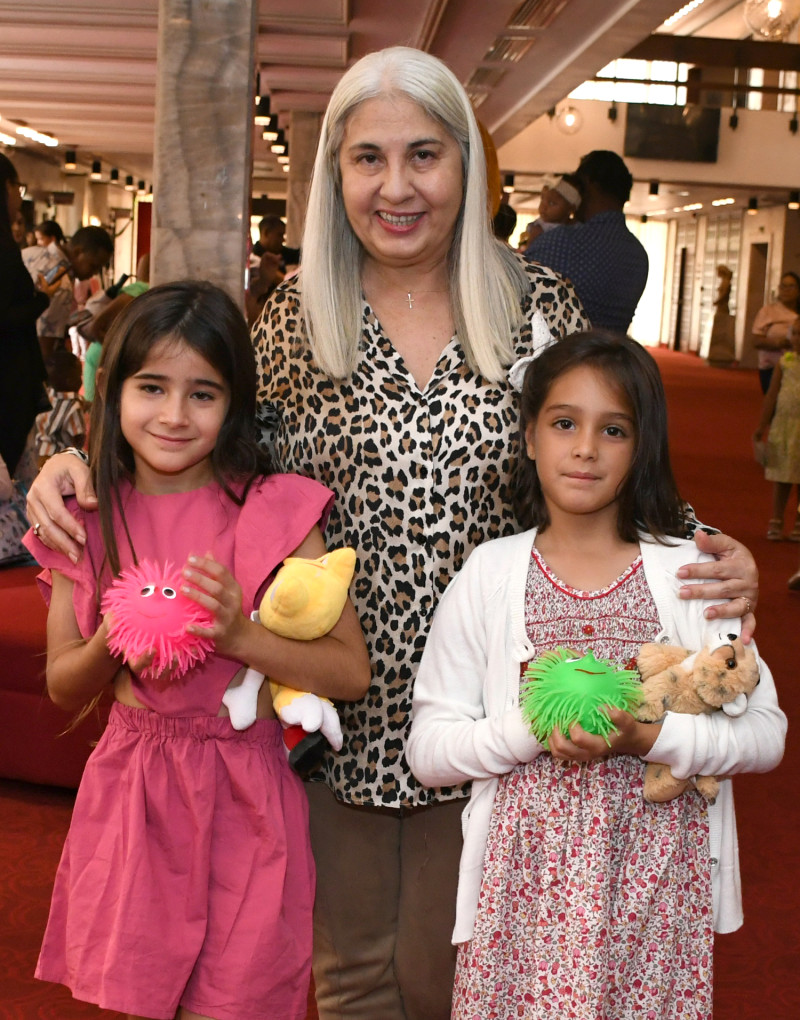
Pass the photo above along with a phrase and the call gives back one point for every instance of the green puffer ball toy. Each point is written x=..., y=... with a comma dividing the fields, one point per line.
x=561, y=688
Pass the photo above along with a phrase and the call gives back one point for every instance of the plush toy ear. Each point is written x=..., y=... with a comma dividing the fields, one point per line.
x=341, y=562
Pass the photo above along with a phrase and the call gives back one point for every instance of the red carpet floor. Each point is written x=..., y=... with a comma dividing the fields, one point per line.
x=712, y=413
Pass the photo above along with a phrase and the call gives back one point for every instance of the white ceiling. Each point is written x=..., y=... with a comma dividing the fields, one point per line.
x=86, y=72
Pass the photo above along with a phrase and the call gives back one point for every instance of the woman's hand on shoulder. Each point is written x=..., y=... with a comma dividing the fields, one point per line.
x=630, y=737
x=60, y=476
x=731, y=575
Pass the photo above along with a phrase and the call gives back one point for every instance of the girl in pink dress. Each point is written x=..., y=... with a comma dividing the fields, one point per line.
x=186, y=883
x=576, y=897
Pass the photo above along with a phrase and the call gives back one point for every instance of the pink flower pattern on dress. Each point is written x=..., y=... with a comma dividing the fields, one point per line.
x=594, y=905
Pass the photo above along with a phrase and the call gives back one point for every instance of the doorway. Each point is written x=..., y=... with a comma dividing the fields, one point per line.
x=683, y=308
x=755, y=295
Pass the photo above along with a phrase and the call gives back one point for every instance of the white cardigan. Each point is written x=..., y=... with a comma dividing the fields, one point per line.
x=467, y=724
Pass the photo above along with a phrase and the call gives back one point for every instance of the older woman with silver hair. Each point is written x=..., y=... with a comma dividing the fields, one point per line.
x=384, y=374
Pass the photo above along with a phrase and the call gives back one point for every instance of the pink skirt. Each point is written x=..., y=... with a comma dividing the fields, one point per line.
x=594, y=904
x=187, y=877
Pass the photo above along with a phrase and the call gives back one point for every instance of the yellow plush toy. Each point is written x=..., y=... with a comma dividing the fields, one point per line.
x=304, y=602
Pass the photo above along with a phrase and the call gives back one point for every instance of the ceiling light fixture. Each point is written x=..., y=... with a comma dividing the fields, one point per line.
x=279, y=145
x=70, y=159
x=508, y=184
x=262, y=111
x=129, y=185
x=686, y=9
x=569, y=120
x=114, y=175
x=654, y=186
x=141, y=189
x=613, y=112
x=771, y=19
x=794, y=200
x=270, y=132
x=723, y=201
x=793, y=124
x=752, y=207
x=36, y=136
x=733, y=120
x=97, y=171
x=7, y=139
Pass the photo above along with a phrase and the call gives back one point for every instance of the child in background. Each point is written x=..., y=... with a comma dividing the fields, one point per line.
x=557, y=206
x=576, y=897
x=64, y=425
x=186, y=883
x=118, y=297
x=780, y=423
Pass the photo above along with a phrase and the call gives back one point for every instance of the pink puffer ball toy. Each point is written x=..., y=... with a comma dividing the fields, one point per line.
x=150, y=613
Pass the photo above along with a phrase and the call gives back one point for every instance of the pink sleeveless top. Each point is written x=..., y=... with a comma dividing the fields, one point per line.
x=251, y=540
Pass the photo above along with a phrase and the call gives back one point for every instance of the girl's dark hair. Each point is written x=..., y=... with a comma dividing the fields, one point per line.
x=8, y=174
x=49, y=228
x=206, y=319
x=649, y=499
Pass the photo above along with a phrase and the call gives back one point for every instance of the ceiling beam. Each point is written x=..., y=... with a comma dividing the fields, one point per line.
x=742, y=53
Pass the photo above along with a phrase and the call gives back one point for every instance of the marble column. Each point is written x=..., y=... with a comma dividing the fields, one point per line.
x=303, y=137
x=204, y=122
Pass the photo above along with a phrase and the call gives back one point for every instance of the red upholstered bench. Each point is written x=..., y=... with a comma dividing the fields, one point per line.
x=32, y=746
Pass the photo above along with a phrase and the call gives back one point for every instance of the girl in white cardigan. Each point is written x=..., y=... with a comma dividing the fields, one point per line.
x=576, y=897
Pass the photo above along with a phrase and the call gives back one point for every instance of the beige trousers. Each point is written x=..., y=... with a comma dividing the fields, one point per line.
x=384, y=909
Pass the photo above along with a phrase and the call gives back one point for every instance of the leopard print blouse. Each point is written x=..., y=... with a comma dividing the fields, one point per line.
x=421, y=478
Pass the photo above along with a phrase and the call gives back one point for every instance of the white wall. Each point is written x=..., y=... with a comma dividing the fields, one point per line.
x=646, y=325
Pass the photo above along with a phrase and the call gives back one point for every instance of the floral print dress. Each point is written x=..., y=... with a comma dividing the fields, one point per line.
x=594, y=904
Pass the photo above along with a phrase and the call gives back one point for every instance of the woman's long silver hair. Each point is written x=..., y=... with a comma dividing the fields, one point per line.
x=487, y=281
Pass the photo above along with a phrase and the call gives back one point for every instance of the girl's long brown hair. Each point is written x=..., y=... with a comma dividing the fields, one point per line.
x=205, y=318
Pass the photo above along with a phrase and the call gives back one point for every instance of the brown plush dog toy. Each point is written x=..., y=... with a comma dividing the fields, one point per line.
x=720, y=676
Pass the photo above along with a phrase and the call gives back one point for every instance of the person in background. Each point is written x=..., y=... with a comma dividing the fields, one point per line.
x=22, y=371
x=577, y=897
x=771, y=327
x=94, y=331
x=780, y=425
x=49, y=232
x=64, y=425
x=55, y=269
x=264, y=278
x=271, y=232
x=19, y=231
x=722, y=342
x=383, y=372
x=606, y=264
x=504, y=222
x=557, y=206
